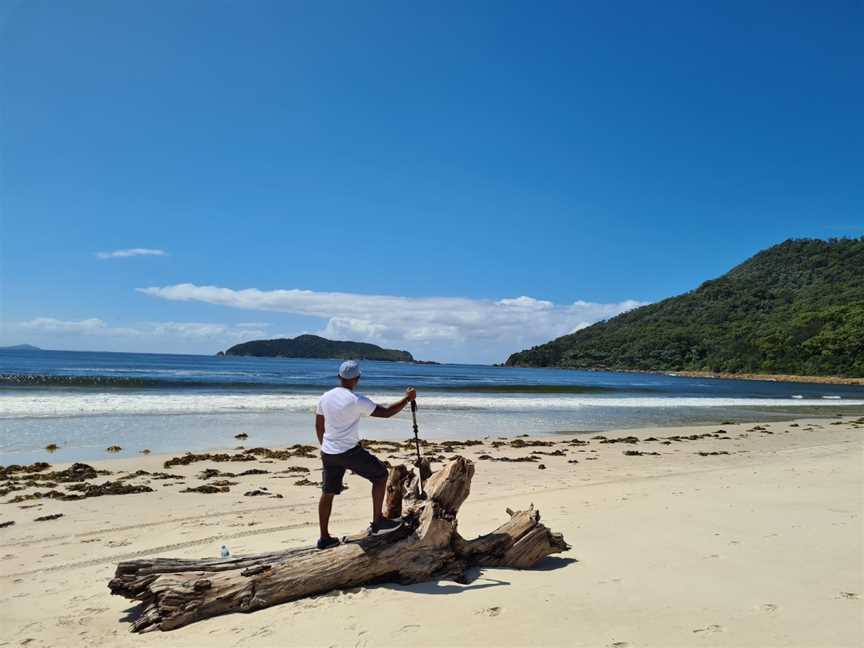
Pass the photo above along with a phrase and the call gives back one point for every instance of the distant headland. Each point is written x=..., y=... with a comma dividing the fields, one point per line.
x=313, y=346
x=795, y=310
x=20, y=347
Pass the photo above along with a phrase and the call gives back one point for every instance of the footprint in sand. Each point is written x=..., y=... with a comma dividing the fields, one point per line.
x=490, y=611
x=849, y=595
x=710, y=628
x=118, y=543
x=619, y=644
x=768, y=607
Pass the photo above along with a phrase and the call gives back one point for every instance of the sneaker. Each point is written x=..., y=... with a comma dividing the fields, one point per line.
x=384, y=526
x=326, y=543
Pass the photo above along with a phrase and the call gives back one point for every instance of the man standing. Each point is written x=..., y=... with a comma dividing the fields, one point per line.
x=337, y=424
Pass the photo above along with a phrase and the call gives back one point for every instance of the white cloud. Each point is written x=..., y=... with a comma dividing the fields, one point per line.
x=97, y=328
x=131, y=252
x=92, y=326
x=485, y=327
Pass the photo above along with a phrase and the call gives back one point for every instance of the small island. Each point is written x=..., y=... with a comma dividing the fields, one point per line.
x=313, y=346
x=20, y=347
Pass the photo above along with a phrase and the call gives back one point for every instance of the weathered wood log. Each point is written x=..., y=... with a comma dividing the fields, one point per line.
x=399, y=475
x=177, y=592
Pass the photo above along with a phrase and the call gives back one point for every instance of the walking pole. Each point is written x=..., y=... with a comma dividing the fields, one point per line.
x=417, y=446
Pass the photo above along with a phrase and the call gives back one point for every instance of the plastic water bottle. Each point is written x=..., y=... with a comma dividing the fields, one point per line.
x=225, y=553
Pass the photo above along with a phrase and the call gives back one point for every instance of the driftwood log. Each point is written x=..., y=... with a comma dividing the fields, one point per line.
x=176, y=592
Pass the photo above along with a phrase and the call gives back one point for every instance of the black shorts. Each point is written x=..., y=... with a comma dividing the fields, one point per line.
x=358, y=460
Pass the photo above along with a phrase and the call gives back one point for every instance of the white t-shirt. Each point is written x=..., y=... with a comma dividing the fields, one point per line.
x=342, y=409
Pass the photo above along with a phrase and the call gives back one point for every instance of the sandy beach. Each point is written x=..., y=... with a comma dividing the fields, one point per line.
x=759, y=545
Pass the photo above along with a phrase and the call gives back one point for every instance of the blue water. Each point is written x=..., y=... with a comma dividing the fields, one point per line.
x=85, y=401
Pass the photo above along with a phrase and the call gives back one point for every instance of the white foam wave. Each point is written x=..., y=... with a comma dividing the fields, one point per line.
x=73, y=405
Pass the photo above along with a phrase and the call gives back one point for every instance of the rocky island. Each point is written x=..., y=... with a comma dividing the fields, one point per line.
x=313, y=346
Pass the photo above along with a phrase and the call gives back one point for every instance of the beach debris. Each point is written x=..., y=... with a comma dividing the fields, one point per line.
x=190, y=457
x=294, y=469
x=697, y=437
x=578, y=442
x=306, y=482
x=703, y=453
x=52, y=447
x=529, y=458
x=155, y=475
x=113, y=448
x=521, y=443
x=46, y=518
x=83, y=490
x=6, y=472
x=297, y=450
x=75, y=473
x=639, y=453
x=218, y=486
x=710, y=628
x=426, y=547
x=572, y=461
x=145, y=451
x=490, y=611
x=17, y=480
x=262, y=491
x=541, y=466
x=627, y=439
x=242, y=435
x=7, y=523
x=254, y=471
x=209, y=473
x=554, y=453
x=52, y=494
x=106, y=488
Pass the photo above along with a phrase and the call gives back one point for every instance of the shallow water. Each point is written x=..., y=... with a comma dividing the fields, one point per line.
x=85, y=402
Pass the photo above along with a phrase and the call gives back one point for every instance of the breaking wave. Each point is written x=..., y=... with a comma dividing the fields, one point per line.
x=21, y=404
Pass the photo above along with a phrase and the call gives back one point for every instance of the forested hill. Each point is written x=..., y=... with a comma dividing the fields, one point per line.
x=312, y=346
x=795, y=308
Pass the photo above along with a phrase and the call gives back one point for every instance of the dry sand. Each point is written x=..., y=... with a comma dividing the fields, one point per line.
x=759, y=547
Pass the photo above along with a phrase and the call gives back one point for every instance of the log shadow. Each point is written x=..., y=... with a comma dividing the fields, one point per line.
x=132, y=614
x=437, y=588
x=551, y=563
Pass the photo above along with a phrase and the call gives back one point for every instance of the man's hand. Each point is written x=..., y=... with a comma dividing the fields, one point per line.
x=395, y=408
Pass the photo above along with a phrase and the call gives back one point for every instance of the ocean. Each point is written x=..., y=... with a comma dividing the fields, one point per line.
x=87, y=401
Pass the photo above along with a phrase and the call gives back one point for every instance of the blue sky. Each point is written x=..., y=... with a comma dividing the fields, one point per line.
x=461, y=180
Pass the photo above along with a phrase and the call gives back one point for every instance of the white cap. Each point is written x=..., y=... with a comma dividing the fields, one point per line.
x=349, y=370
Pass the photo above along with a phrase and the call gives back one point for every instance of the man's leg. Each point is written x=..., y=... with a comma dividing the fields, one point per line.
x=379, y=487
x=325, y=505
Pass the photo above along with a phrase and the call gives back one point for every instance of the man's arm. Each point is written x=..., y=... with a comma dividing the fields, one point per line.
x=319, y=428
x=391, y=410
